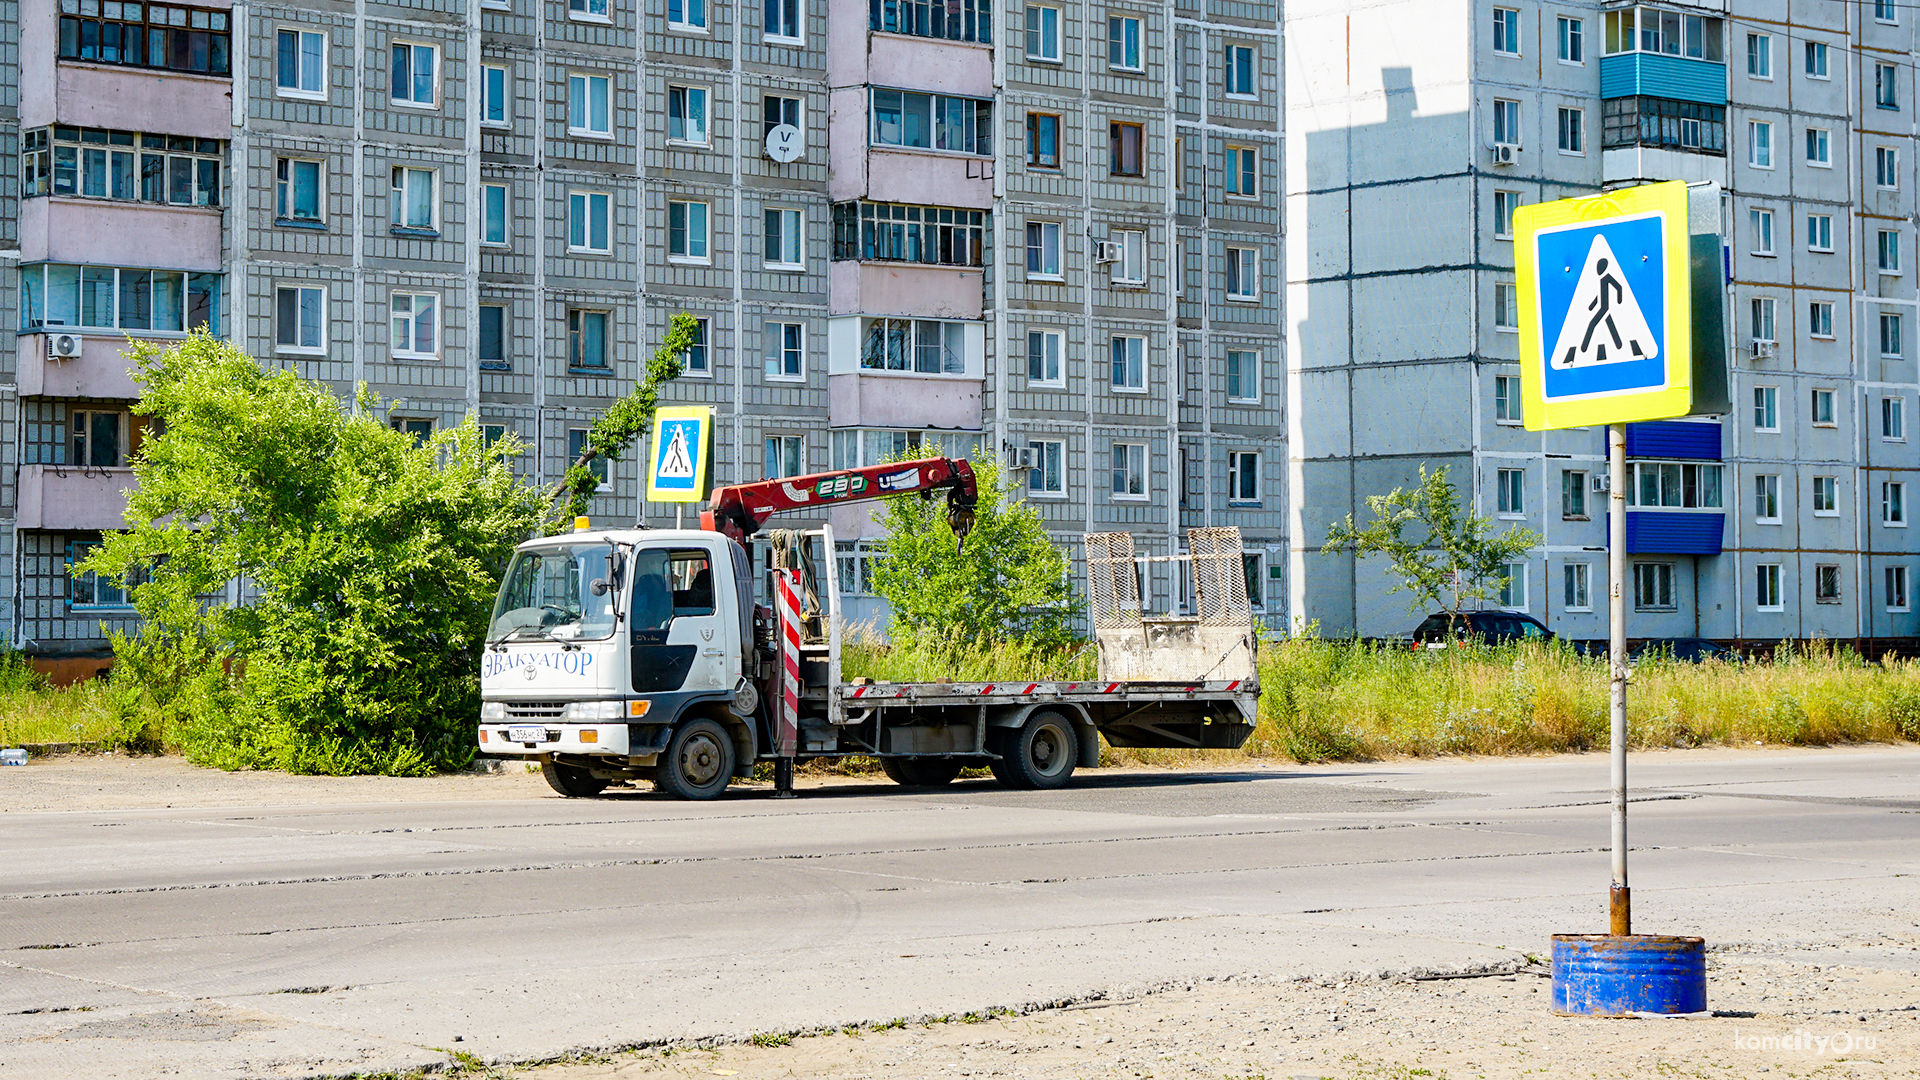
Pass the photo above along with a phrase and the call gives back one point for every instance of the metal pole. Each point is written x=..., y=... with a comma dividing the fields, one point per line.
x=1619, y=902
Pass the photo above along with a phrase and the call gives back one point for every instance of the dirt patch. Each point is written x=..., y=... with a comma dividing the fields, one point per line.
x=184, y=1025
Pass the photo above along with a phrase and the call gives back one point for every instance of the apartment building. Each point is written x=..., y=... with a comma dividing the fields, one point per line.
x=1414, y=129
x=1049, y=233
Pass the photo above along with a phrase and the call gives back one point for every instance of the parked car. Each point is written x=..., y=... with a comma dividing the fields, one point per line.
x=1490, y=627
x=1689, y=649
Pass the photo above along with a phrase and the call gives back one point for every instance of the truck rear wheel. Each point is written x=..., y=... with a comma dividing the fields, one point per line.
x=698, y=763
x=1040, y=754
x=571, y=780
x=920, y=771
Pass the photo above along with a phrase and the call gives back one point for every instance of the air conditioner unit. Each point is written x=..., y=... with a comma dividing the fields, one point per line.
x=1765, y=348
x=1504, y=153
x=63, y=346
x=1023, y=458
x=1106, y=251
x=1601, y=483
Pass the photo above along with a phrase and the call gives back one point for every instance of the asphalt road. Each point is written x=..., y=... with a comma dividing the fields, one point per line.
x=293, y=940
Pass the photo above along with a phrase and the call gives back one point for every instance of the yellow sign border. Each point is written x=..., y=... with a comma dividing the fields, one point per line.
x=1669, y=200
x=702, y=413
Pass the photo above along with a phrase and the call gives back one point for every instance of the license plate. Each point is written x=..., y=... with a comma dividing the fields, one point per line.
x=527, y=734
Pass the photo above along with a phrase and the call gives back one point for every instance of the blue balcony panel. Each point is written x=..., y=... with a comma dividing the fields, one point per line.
x=1674, y=440
x=1681, y=78
x=1674, y=532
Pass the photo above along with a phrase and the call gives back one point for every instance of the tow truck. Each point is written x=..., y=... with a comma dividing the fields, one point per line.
x=643, y=655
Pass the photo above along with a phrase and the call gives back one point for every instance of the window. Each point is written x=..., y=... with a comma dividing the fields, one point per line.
x=416, y=326
x=1048, y=477
x=1819, y=232
x=1043, y=140
x=923, y=346
x=933, y=235
x=783, y=238
x=587, y=9
x=1760, y=223
x=1131, y=267
x=776, y=110
x=1504, y=204
x=1674, y=485
x=1766, y=411
x=1506, y=399
x=493, y=213
x=419, y=429
x=1128, y=366
x=296, y=191
x=1506, y=31
x=1760, y=55
x=1573, y=40
x=1817, y=59
x=493, y=95
x=1506, y=122
x=1243, y=172
x=1893, y=503
x=696, y=361
x=687, y=231
x=1896, y=578
x=1766, y=590
x=115, y=298
x=1820, y=318
x=1826, y=583
x=784, y=350
x=1889, y=251
x=1513, y=586
x=1243, y=478
x=781, y=21
x=492, y=352
x=587, y=113
x=1826, y=496
x=97, y=163
x=961, y=125
x=1820, y=148
x=1766, y=499
x=1506, y=306
x=1760, y=144
x=300, y=314
x=1653, y=587
x=1043, y=358
x=1573, y=494
x=1762, y=314
x=1886, y=86
x=96, y=591
x=577, y=445
x=1572, y=136
x=689, y=15
x=1886, y=168
x=1124, y=150
x=1822, y=407
x=1123, y=43
x=413, y=75
x=1577, y=578
x=687, y=114
x=1043, y=249
x=1043, y=34
x=1890, y=343
x=1886, y=11
x=301, y=70
x=786, y=455
x=1243, y=273
x=1130, y=470
x=1664, y=122
x=587, y=338
x=1243, y=375
x=1510, y=488
x=1240, y=69
x=162, y=36
x=1893, y=418
x=412, y=204
x=588, y=225
x=955, y=20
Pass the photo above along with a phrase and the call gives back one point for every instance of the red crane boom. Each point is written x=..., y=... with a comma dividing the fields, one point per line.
x=740, y=510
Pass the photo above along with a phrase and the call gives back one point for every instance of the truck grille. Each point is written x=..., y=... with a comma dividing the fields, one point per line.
x=536, y=710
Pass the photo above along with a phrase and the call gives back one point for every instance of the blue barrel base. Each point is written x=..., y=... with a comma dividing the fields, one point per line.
x=1603, y=975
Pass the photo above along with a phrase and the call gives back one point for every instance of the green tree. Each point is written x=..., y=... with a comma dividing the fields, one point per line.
x=1434, y=546
x=623, y=422
x=364, y=565
x=1009, y=580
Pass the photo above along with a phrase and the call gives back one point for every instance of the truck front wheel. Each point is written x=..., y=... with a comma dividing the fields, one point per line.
x=571, y=780
x=920, y=771
x=1039, y=754
x=698, y=763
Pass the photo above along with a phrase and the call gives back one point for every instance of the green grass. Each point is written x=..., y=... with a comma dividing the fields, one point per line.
x=85, y=714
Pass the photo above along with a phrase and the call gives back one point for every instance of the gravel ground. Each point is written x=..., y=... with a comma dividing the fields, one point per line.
x=136, y=782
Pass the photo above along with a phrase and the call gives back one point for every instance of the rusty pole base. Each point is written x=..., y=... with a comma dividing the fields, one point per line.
x=783, y=778
x=1620, y=911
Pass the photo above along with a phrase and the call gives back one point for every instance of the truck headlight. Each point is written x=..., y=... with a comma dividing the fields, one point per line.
x=586, y=711
x=493, y=710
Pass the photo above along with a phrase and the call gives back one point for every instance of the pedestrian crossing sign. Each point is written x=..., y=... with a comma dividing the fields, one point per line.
x=682, y=453
x=1606, y=308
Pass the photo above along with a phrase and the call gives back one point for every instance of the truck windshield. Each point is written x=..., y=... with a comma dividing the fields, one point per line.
x=556, y=594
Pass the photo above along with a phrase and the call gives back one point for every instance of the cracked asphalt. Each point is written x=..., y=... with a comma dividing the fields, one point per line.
x=159, y=920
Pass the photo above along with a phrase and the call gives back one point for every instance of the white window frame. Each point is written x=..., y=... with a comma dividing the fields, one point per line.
x=1894, y=320
x=1820, y=233
x=1513, y=586
x=1052, y=355
x=791, y=364
x=410, y=351
x=1251, y=92
x=583, y=11
x=1046, y=38
x=1766, y=410
x=1650, y=582
x=1760, y=225
x=1826, y=496
x=1131, y=267
x=1144, y=453
x=780, y=35
x=1041, y=473
x=576, y=329
x=1893, y=419
x=1887, y=251
x=1506, y=120
x=585, y=210
x=1243, y=172
x=1506, y=32
x=1506, y=307
x=687, y=94
x=1240, y=464
x=1576, y=580
x=301, y=290
x=505, y=197
x=1765, y=326
x=1573, y=495
x=686, y=24
x=1510, y=493
x=1820, y=140
x=1896, y=596
x=1132, y=367
x=1886, y=86
x=1249, y=380
x=1050, y=232
x=1767, y=593
x=1571, y=41
x=1243, y=274
x=792, y=239
x=1760, y=57
x=1886, y=168
x=402, y=197
x=1506, y=400
x=1886, y=12
x=1504, y=204
x=1766, y=498
x=686, y=255
x=1760, y=144
x=581, y=105
x=786, y=449
x=494, y=96
x=1893, y=504
x=1816, y=61
x=286, y=190
x=412, y=61
x=300, y=89
x=698, y=360
x=1131, y=38
x=1820, y=403
x=1572, y=130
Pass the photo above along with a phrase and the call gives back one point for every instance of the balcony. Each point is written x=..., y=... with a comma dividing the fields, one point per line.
x=1662, y=75
x=71, y=498
x=1674, y=439
x=101, y=232
x=1674, y=532
x=102, y=370
x=890, y=288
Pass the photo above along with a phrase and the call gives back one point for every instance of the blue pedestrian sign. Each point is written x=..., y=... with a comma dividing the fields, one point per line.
x=682, y=444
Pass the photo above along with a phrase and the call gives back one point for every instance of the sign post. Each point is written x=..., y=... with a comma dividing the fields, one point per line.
x=681, y=462
x=1622, y=320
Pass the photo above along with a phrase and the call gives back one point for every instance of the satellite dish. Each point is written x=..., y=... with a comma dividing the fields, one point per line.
x=783, y=143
